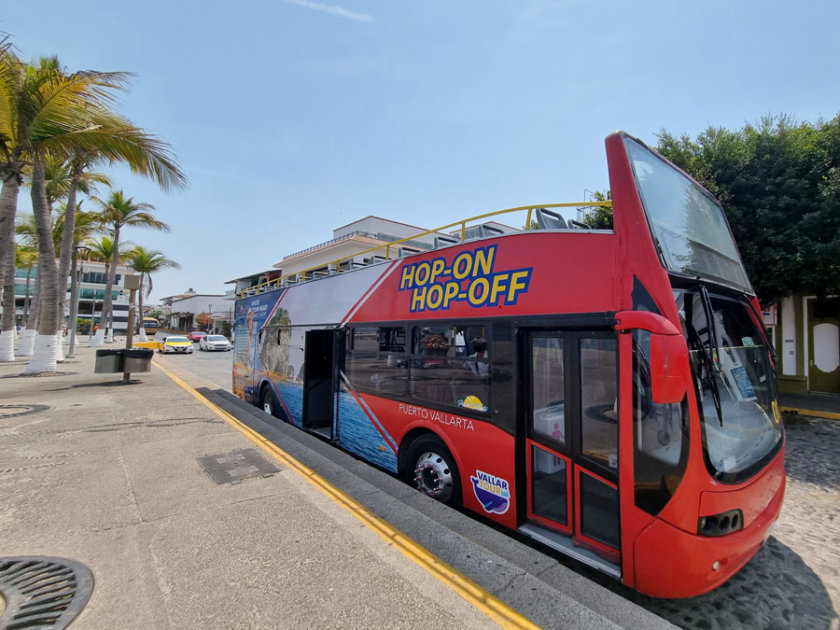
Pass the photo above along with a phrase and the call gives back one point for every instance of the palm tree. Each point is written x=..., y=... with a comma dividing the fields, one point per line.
x=146, y=262
x=87, y=224
x=39, y=109
x=27, y=258
x=119, y=212
x=103, y=251
x=44, y=111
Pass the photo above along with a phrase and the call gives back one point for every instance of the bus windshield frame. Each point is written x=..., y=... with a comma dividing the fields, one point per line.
x=688, y=225
x=735, y=383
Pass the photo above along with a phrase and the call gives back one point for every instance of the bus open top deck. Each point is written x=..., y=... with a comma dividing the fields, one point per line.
x=610, y=393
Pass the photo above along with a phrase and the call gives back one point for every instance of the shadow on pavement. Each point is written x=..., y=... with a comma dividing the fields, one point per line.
x=776, y=589
x=811, y=450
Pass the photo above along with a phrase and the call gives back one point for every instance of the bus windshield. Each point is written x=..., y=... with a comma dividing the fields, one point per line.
x=688, y=225
x=735, y=382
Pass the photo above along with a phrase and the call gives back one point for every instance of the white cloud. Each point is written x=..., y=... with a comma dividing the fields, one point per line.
x=337, y=11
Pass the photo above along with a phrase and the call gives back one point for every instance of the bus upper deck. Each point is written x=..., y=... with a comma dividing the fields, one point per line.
x=610, y=393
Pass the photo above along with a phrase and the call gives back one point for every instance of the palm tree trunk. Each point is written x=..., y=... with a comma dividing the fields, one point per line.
x=67, y=243
x=99, y=337
x=26, y=345
x=43, y=358
x=109, y=286
x=8, y=208
x=7, y=334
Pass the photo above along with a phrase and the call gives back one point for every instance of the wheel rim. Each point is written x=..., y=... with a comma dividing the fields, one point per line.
x=433, y=476
x=267, y=406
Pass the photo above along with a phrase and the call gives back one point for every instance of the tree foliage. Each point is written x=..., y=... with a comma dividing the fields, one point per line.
x=600, y=217
x=779, y=183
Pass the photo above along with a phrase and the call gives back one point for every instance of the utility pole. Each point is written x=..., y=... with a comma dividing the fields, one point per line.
x=132, y=283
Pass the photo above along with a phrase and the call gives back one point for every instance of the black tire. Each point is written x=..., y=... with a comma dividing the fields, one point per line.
x=430, y=467
x=267, y=401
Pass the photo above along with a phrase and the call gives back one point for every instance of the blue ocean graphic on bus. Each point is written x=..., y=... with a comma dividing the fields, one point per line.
x=291, y=396
x=358, y=435
x=492, y=492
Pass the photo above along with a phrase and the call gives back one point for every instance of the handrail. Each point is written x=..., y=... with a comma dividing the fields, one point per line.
x=263, y=287
x=330, y=242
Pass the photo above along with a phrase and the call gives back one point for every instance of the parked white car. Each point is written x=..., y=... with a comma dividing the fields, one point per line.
x=214, y=342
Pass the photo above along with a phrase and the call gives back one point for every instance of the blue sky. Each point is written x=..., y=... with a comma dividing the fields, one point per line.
x=293, y=117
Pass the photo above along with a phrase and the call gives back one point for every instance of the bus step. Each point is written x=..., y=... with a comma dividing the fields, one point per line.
x=565, y=545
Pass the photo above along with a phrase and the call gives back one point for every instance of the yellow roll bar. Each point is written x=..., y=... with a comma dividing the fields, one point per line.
x=276, y=282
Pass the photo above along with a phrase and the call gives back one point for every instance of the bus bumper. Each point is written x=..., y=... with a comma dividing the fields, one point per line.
x=673, y=563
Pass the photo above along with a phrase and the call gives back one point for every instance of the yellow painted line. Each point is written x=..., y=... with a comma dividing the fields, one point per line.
x=810, y=412
x=486, y=602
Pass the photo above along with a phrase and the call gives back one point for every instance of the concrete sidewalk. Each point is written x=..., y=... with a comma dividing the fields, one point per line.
x=118, y=478
x=108, y=475
x=813, y=404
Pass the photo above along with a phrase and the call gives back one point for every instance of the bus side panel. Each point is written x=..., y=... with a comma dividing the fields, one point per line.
x=250, y=316
x=361, y=432
x=532, y=273
x=484, y=453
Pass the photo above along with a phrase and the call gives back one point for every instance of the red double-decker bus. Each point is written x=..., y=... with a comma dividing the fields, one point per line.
x=610, y=393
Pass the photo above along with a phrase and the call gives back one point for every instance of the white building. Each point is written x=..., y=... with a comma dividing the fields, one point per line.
x=350, y=248
x=183, y=310
x=91, y=293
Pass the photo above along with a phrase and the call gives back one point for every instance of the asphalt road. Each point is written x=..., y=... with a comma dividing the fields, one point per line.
x=793, y=582
x=216, y=366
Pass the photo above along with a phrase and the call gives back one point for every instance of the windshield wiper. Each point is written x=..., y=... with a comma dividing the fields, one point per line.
x=711, y=333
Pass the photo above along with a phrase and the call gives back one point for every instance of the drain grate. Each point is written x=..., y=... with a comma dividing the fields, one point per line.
x=235, y=466
x=42, y=592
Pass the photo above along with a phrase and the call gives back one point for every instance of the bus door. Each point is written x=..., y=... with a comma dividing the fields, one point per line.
x=571, y=442
x=320, y=378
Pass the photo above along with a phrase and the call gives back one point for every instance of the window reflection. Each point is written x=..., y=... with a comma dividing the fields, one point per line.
x=548, y=395
x=599, y=401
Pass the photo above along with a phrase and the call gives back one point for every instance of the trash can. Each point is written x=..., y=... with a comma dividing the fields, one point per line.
x=108, y=361
x=138, y=359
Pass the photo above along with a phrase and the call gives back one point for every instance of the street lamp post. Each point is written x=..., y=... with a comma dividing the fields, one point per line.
x=74, y=294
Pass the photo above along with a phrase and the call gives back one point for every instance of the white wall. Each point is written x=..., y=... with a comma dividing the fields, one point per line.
x=789, y=345
x=196, y=304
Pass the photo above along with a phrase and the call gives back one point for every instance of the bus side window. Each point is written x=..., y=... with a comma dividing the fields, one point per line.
x=376, y=359
x=660, y=436
x=446, y=370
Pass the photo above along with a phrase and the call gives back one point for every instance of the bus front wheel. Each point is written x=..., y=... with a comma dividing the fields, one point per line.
x=268, y=403
x=432, y=470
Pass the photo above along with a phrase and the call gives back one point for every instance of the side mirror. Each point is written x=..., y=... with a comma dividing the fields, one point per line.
x=669, y=370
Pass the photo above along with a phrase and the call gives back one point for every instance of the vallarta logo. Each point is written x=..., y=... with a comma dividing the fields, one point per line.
x=436, y=284
x=492, y=492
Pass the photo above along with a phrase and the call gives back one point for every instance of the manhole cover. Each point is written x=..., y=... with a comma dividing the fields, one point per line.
x=42, y=592
x=10, y=411
x=234, y=466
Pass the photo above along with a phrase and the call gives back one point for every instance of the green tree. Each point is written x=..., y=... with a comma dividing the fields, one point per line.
x=117, y=213
x=146, y=262
x=779, y=183
x=40, y=109
x=102, y=250
x=600, y=217
x=26, y=258
x=46, y=112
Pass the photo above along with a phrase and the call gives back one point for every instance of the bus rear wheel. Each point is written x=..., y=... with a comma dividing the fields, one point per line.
x=432, y=470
